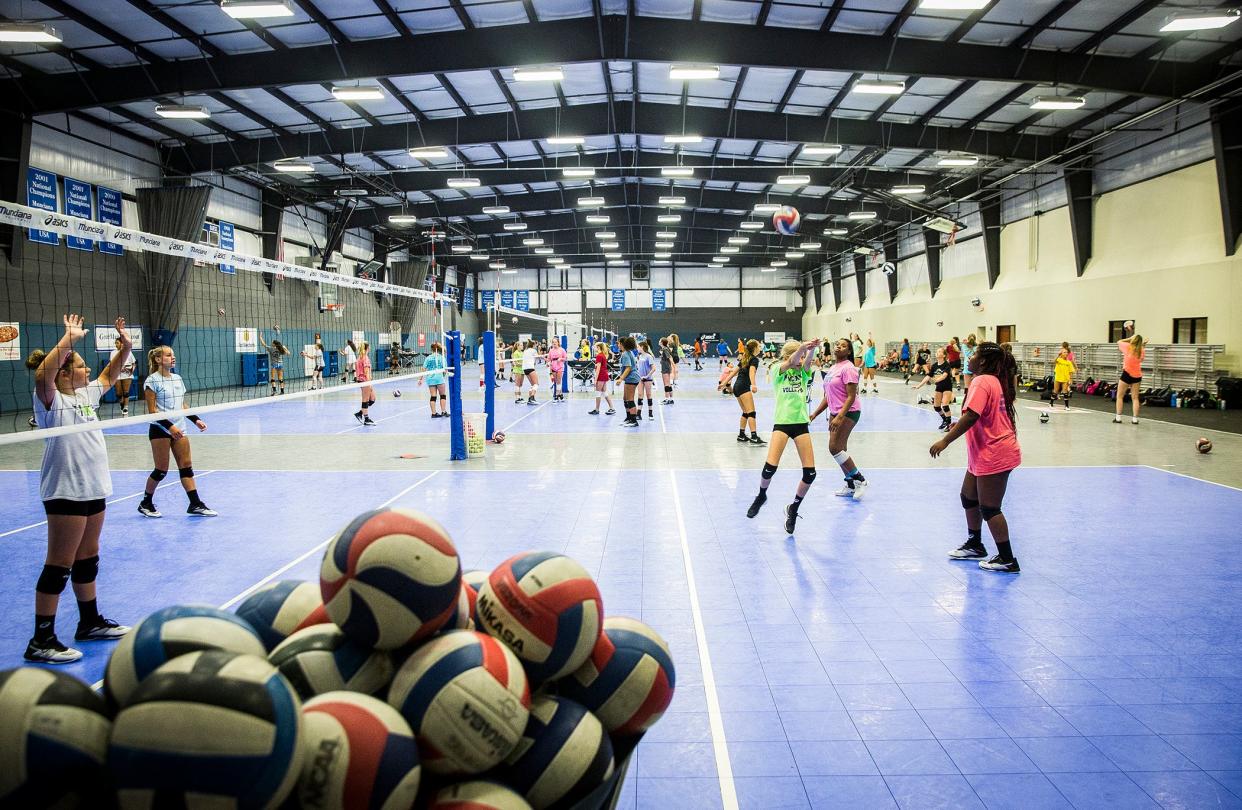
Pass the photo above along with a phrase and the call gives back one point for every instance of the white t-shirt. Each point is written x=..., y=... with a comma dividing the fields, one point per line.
x=351, y=356
x=316, y=356
x=75, y=467
x=126, y=371
x=169, y=397
x=528, y=359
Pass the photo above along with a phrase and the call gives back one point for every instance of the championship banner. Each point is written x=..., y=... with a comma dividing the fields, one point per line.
x=79, y=202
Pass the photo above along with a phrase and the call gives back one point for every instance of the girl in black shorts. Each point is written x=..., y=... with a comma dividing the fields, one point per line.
x=941, y=376
x=745, y=385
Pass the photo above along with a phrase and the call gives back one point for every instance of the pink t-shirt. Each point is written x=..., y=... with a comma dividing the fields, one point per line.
x=556, y=358
x=839, y=376
x=1129, y=363
x=991, y=443
x=362, y=369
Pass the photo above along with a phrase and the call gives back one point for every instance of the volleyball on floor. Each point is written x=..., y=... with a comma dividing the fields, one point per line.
x=564, y=754
x=466, y=697
x=628, y=681
x=358, y=752
x=390, y=577
x=54, y=739
x=546, y=608
x=208, y=729
x=168, y=633
x=786, y=220
x=280, y=609
x=1204, y=445
x=478, y=795
x=323, y=659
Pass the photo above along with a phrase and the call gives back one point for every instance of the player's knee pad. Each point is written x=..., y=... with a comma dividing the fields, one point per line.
x=769, y=470
x=750, y=414
x=443, y=397
x=85, y=570
x=668, y=389
x=52, y=580
x=841, y=457
x=968, y=503
x=158, y=474
x=629, y=404
x=989, y=512
x=808, y=475
x=432, y=399
x=185, y=472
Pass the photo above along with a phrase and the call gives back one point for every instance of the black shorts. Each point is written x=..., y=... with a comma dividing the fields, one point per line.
x=955, y=364
x=795, y=430
x=318, y=368
x=738, y=391
x=154, y=432
x=851, y=415
x=64, y=506
x=1128, y=380
x=944, y=387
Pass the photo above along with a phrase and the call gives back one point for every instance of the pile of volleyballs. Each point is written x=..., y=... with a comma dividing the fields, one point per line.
x=396, y=679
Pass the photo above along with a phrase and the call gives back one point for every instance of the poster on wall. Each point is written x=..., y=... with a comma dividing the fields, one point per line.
x=246, y=340
x=308, y=359
x=41, y=194
x=10, y=341
x=522, y=300
x=422, y=340
x=383, y=339
x=618, y=300
x=467, y=299
x=79, y=202
x=105, y=336
x=488, y=300
x=658, y=301
x=773, y=337
x=228, y=241
x=358, y=336
x=506, y=298
x=109, y=207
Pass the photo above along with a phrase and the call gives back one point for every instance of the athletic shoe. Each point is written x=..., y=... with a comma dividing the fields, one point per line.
x=517, y=401
x=791, y=518
x=31, y=421
x=754, y=439
x=100, y=630
x=630, y=423
x=201, y=510
x=532, y=401
x=593, y=413
x=358, y=416
x=741, y=437
x=969, y=551
x=651, y=414
x=846, y=491
x=368, y=422
x=1116, y=420
x=50, y=651
x=757, y=504
x=124, y=411
x=610, y=411
x=999, y=566
x=149, y=511
x=860, y=489
x=1134, y=421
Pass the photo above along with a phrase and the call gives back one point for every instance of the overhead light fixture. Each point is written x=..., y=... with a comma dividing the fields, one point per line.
x=664, y=245
x=751, y=225
x=672, y=139
x=598, y=219
x=612, y=255
x=509, y=272
x=556, y=260
x=793, y=180
x=953, y=5
x=578, y=171
x=821, y=149
x=877, y=87
x=532, y=241
x=739, y=240
x=715, y=265
x=514, y=226
x=182, y=111
x=907, y=190
x=1199, y=21
x=479, y=257
x=544, y=251
x=661, y=262
x=364, y=92
x=538, y=74
x=496, y=266
x=730, y=249
x=766, y=208
x=863, y=250
x=590, y=202
x=779, y=263
x=255, y=9
x=959, y=160
x=402, y=219
x=861, y=216
x=433, y=235
x=794, y=254
x=293, y=166
x=29, y=32
x=835, y=231
x=720, y=259
x=672, y=200
x=694, y=72
x=464, y=182
x=677, y=171
x=425, y=152
x=663, y=255
x=809, y=246
x=609, y=245
x=495, y=209
x=565, y=140
x=460, y=248
x=352, y=192
x=666, y=234
x=669, y=219
x=1058, y=103
x=605, y=235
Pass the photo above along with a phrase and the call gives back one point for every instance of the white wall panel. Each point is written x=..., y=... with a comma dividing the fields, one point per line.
x=126, y=167
x=564, y=301
x=706, y=278
x=963, y=259
x=707, y=298
x=593, y=278
x=755, y=277
x=770, y=298
x=596, y=299
x=234, y=201
x=912, y=273
x=306, y=225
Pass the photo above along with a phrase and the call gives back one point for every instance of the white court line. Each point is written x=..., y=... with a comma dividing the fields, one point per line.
x=1191, y=477
x=724, y=769
x=545, y=404
x=197, y=475
x=291, y=563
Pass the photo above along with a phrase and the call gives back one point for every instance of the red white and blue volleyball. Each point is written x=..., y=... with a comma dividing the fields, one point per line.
x=787, y=220
x=281, y=608
x=628, y=681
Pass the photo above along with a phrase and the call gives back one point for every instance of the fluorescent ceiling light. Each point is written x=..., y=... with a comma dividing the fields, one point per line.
x=609, y=245
x=809, y=246
x=255, y=9
x=953, y=5
x=352, y=192
x=510, y=272
x=863, y=250
x=715, y=265
x=779, y=263
x=913, y=188
x=464, y=182
x=515, y=226
x=669, y=219
x=538, y=74
x=182, y=111
x=533, y=241
x=578, y=171
x=739, y=240
x=661, y=262
x=544, y=251
x=751, y=225
x=605, y=235
x=1199, y=21
x=293, y=166
x=683, y=138
x=731, y=249
x=1058, y=102
x=565, y=140
x=402, y=219
x=694, y=72
x=460, y=248
x=479, y=257
x=29, y=32
x=766, y=208
x=664, y=245
x=876, y=87
x=358, y=93
x=662, y=255
x=495, y=209
x=612, y=255
x=819, y=149
x=835, y=231
x=598, y=219
x=672, y=200
x=424, y=152
x=959, y=160
x=861, y=216
x=666, y=234
x=720, y=259
x=794, y=254
x=433, y=235
x=677, y=171
x=556, y=260
x=793, y=180
x=590, y=202
x=496, y=266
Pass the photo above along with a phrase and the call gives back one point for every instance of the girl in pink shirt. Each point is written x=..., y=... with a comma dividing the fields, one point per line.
x=556, y=367
x=1133, y=350
x=992, y=452
x=841, y=402
x=362, y=373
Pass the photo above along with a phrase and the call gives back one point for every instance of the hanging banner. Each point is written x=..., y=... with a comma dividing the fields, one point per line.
x=228, y=242
x=523, y=300
x=41, y=195
x=105, y=337
x=506, y=298
x=467, y=299
x=79, y=203
x=658, y=300
x=618, y=300
x=109, y=209
x=246, y=340
x=489, y=300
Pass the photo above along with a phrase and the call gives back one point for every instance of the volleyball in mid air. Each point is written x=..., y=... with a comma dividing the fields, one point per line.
x=786, y=220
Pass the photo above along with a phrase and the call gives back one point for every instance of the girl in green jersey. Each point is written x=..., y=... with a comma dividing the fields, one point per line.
x=792, y=381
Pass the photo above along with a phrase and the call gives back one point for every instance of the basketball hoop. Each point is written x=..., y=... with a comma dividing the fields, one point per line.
x=337, y=310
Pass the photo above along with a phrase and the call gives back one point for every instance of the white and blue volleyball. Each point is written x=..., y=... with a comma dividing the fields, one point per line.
x=168, y=633
x=323, y=659
x=479, y=794
x=463, y=610
x=208, y=729
x=280, y=609
x=564, y=754
x=358, y=752
x=628, y=681
x=546, y=608
x=390, y=577
x=53, y=739
x=466, y=696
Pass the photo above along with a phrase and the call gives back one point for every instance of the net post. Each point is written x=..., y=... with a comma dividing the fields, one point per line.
x=564, y=376
x=457, y=443
x=489, y=380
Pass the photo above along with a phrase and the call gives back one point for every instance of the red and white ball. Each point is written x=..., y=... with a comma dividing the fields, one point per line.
x=628, y=681
x=787, y=220
x=478, y=795
x=281, y=608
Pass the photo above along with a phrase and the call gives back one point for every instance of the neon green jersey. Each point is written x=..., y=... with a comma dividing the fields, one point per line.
x=791, y=388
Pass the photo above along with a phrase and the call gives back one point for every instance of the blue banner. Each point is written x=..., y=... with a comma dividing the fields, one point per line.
x=506, y=298
x=109, y=203
x=657, y=300
x=523, y=300
x=41, y=193
x=228, y=241
x=79, y=203
x=489, y=300
x=467, y=302
x=618, y=300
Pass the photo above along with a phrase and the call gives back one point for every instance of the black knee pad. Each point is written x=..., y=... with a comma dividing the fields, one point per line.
x=443, y=398
x=52, y=580
x=158, y=475
x=185, y=472
x=85, y=570
x=749, y=414
x=968, y=503
x=989, y=512
x=808, y=475
x=769, y=470
x=629, y=403
x=668, y=389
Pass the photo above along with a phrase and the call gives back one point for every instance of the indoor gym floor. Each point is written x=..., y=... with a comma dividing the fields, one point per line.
x=854, y=666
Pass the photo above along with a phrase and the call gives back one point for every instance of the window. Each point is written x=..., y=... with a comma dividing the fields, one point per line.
x=1117, y=330
x=1007, y=333
x=1190, y=330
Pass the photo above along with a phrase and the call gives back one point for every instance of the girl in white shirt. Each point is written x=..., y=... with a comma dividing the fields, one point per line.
x=125, y=375
x=529, y=353
x=74, y=484
x=350, y=354
x=315, y=355
x=165, y=393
